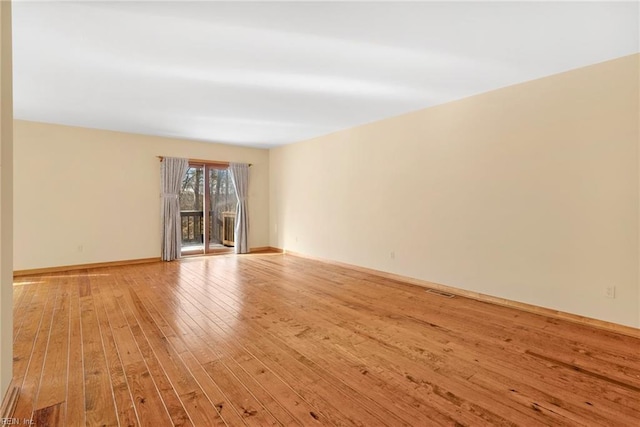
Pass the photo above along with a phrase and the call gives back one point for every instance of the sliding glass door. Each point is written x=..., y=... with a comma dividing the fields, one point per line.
x=192, y=210
x=222, y=209
x=207, y=193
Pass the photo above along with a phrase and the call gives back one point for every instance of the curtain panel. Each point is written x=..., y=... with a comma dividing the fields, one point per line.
x=240, y=179
x=172, y=172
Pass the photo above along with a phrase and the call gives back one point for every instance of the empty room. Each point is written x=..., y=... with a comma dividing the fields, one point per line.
x=319, y=213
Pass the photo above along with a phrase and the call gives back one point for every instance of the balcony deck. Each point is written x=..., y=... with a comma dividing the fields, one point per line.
x=192, y=224
x=195, y=247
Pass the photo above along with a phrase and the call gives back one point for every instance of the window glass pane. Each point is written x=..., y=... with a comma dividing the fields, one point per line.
x=222, y=208
x=191, y=209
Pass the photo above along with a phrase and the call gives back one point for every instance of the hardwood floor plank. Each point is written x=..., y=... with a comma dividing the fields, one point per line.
x=228, y=415
x=283, y=340
x=147, y=376
x=151, y=412
x=34, y=356
x=260, y=391
x=74, y=411
x=99, y=404
x=169, y=395
x=411, y=340
x=478, y=340
x=197, y=338
x=302, y=412
x=186, y=342
x=356, y=409
x=148, y=403
x=379, y=399
x=50, y=416
x=21, y=302
x=207, y=340
x=243, y=401
x=248, y=406
x=25, y=336
x=53, y=389
x=178, y=373
x=123, y=399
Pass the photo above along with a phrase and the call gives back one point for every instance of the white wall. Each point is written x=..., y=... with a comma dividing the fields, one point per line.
x=99, y=190
x=529, y=193
x=6, y=198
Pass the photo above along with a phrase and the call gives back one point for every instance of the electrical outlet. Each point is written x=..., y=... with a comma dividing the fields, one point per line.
x=80, y=248
x=610, y=292
x=393, y=254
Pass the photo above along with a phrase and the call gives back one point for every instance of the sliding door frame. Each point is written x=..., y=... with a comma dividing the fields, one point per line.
x=206, y=250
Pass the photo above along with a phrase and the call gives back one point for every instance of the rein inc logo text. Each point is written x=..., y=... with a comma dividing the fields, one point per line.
x=16, y=421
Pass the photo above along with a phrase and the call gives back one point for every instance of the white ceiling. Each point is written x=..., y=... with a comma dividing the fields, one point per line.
x=265, y=74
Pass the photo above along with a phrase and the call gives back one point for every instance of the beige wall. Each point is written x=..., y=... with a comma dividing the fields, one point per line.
x=85, y=196
x=528, y=193
x=6, y=198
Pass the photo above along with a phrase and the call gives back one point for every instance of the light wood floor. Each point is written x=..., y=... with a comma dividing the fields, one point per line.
x=282, y=340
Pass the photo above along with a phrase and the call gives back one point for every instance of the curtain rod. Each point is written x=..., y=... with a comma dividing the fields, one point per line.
x=205, y=162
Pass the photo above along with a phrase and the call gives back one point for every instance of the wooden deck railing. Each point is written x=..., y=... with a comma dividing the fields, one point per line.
x=192, y=226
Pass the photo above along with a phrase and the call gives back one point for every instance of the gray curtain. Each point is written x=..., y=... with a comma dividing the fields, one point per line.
x=172, y=171
x=240, y=179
